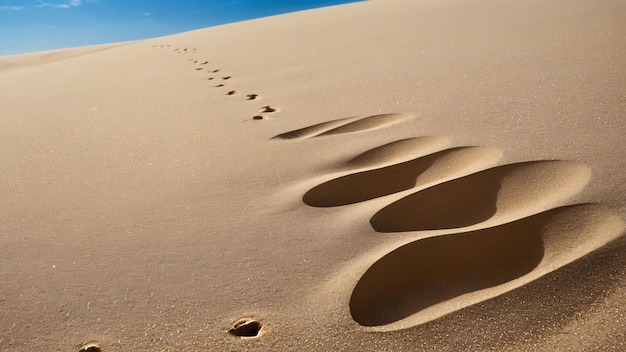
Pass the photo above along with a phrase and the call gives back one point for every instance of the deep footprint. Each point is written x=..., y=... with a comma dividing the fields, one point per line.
x=429, y=278
x=247, y=328
x=508, y=192
x=380, y=182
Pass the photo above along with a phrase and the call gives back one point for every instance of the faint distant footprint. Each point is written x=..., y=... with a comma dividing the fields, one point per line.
x=267, y=109
x=509, y=227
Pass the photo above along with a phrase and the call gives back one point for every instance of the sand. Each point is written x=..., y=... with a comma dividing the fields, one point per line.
x=379, y=176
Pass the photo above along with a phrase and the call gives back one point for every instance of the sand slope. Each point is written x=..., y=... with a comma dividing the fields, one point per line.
x=386, y=175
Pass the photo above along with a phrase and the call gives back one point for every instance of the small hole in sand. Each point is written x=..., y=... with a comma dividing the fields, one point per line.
x=258, y=117
x=247, y=328
x=90, y=347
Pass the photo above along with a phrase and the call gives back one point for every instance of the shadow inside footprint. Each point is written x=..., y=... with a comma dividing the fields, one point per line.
x=380, y=182
x=521, y=188
x=429, y=271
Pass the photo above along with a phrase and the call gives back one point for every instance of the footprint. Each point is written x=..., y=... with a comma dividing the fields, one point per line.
x=219, y=85
x=429, y=278
x=204, y=63
x=225, y=78
x=512, y=233
x=251, y=96
x=346, y=125
x=91, y=346
x=314, y=130
x=501, y=194
x=215, y=71
x=418, y=172
x=399, y=151
x=369, y=123
x=247, y=328
x=198, y=68
x=268, y=109
x=232, y=92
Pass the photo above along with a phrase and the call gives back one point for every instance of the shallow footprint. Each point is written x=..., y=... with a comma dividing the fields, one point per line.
x=369, y=123
x=429, y=278
x=506, y=192
x=421, y=171
x=399, y=151
x=346, y=125
x=314, y=130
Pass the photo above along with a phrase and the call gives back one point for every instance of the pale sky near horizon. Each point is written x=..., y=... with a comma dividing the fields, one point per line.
x=39, y=25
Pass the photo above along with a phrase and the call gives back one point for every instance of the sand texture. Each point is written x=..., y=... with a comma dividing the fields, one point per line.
x=390, y=175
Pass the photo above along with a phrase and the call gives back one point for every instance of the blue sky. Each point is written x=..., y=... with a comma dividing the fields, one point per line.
x=37, y=25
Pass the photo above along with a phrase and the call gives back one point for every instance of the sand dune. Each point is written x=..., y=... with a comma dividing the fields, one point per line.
x=384, y=175
x=24, y=61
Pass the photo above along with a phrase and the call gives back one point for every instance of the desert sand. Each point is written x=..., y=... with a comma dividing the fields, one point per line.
x=390, y=175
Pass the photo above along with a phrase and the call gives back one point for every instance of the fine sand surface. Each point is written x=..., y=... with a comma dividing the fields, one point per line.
x=380, y=176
